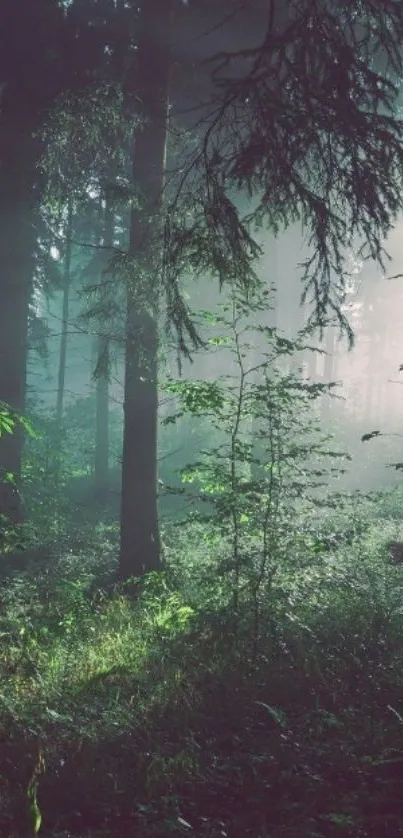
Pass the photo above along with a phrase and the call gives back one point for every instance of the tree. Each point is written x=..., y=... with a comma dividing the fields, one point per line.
x=85, y=153
x=306, y=124
x=28, y=81
x=65, y=319
x=140, y=542
x=34, y=71
x=101, y=470
x=303, y=123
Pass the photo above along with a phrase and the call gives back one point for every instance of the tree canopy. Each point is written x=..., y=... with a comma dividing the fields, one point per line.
x=307, y=125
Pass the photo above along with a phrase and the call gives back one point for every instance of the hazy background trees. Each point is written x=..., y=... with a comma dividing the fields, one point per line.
x=189, y=192
x=281, y=168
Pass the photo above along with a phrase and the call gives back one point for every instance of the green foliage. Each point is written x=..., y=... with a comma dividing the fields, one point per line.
x=102, y=693
x=9, y=419
x=251, y=689
x=197, y=397
x=79, y=422
x=58, y=469
x=7, y=423
x=44, y=480
x=266, y=458
x=84, y=134
x=164, y=608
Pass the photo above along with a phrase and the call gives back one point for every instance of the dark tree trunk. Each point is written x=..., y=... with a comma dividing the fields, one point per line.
x=140, y=542
x=65, y=318
x=101, y=470
x=17, y=247
x=101, y=473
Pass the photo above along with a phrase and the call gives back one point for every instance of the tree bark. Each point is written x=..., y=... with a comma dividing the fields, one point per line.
x=17, y=247
x=101, y=468
x=140, y=541
x=65, y=317
x=101, y=471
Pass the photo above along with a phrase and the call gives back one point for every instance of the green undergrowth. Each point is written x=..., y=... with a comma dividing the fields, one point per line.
x=169, y=714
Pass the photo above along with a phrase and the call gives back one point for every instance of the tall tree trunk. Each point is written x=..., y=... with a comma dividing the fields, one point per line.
x=17, y=247
x=65, y=318
x=140, y=541
x=101, y=465
x=101, y=472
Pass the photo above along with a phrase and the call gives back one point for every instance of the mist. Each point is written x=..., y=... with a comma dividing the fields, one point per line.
x=201, y=535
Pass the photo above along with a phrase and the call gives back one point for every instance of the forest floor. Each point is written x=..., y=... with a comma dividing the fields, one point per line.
x=169, y=715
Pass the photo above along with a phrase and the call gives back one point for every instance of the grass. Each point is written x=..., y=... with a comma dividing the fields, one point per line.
x=166, y=716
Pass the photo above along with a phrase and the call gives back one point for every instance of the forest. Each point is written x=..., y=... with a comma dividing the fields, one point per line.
x=201, y=354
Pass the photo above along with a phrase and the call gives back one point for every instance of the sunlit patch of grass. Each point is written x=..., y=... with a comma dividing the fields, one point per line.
x=66, y=645
x=163, y=695
x=90, y=664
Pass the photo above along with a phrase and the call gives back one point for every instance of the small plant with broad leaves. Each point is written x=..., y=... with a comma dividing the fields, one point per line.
x=268, y=458
x=10, y=500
